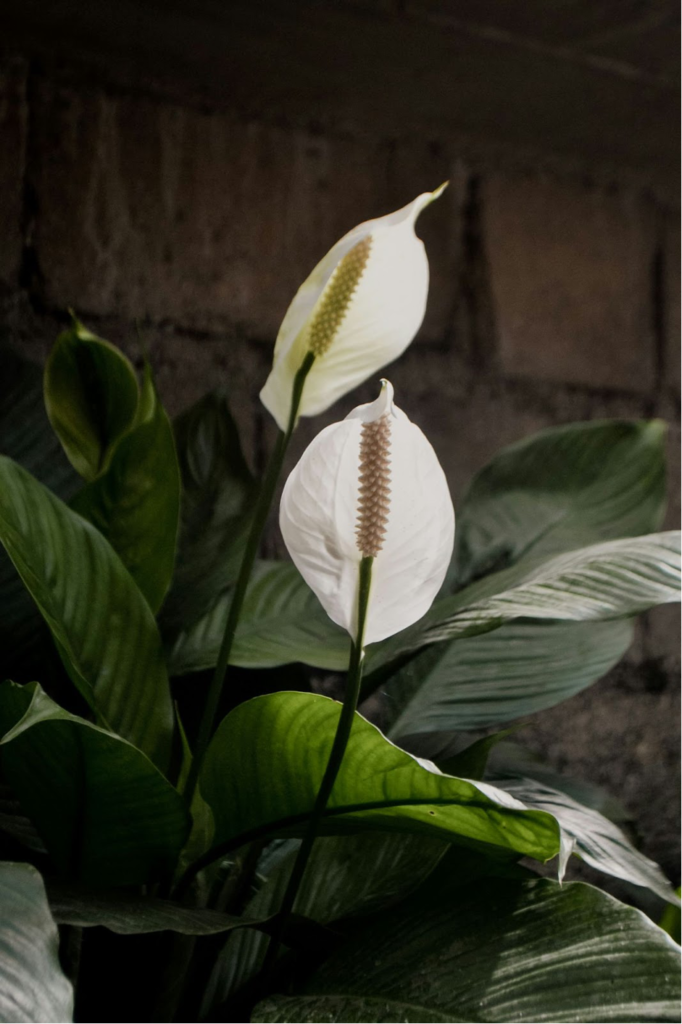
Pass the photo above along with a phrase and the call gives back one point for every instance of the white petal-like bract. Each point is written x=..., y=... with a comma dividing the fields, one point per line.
x=357, y=311
x=370, y=485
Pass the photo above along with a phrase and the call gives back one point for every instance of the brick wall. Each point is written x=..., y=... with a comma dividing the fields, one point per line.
x=555, y=297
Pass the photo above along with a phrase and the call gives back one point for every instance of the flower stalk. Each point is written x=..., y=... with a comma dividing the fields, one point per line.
x=343, y=731
x=260, y=517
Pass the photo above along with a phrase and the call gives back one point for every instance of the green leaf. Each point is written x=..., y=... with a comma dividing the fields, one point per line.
x=32, y=985
x=346, y=875
x=502, y=952
x=598, y=841
x=217, y=492
x=496, y=677
x=27, y=437
x=104, y=630
x=605, y=581
x=470, y=761
x=266, y=761
x=137, y=915
x=135, y=504
x=670, y=922
x=91, y=397
x=564, y=488
x=350, y=1009
x=106, y=814
x=281, y=621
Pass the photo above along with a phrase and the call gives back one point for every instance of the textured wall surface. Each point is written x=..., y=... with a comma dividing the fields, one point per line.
x=555, y=297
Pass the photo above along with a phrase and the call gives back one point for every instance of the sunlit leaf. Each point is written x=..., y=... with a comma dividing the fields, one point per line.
x=379, y=787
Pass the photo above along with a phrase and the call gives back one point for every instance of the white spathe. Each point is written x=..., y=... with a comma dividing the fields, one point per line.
x=383, y=315
x=319, y=515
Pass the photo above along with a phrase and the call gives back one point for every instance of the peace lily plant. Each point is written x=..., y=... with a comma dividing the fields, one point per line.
x=240, y=846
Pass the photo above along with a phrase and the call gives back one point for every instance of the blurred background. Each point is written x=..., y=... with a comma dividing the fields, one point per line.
x=183, y=165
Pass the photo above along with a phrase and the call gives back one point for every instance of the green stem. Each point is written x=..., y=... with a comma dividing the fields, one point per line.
x=343, y=731
x=260, y=516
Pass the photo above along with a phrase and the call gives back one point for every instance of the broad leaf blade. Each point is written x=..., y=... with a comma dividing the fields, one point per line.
x=350, y=1009
x=106, y=814
x=561, y=489
x=604, y=581
x=91, y=396
x=217, y=488
x=103, y=627
x=598, y=841
x=32, y=984
x=379, y=786
x=281, y=622
x=136, y=915
x=496, y=677
x=346, y=875
x=27, y=437
x=507, y=952
x=136, y=503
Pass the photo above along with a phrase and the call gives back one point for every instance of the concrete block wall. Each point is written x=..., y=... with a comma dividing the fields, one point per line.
x=555, y=297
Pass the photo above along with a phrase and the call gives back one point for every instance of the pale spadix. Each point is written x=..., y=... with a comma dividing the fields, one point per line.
x=370, y=485
x=357, y=311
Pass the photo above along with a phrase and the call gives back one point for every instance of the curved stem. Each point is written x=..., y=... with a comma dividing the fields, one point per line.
x=343, y=731
x=260, y=516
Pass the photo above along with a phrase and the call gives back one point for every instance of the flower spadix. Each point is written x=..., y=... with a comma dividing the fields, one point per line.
x=357, y=311
x=370, y=486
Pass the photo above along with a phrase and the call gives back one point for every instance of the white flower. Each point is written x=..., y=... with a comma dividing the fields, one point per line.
x=370, y=486
x=358, y=310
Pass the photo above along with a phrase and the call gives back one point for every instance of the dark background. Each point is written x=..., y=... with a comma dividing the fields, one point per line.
x=185, y=164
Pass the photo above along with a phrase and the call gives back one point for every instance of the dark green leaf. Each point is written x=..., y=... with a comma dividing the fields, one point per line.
x=670, y=922
x=135, y=504
x=32, y=985
x=281, y=621
x=136, y=915
x=217, y=488
x=350, y=1009
x=564, y=488
x=91, y=396
x=470, y=762
x=346, y=875
x=266, y=761
x=504, y=952
x=493, y=678
x=27, y=437
x=612, y=580
x=106, y=814
x=598, y=841
x=103, y=627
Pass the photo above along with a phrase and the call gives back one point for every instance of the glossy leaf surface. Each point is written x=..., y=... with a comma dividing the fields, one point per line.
x=282, y=621
x=128, y=914
x=598, y=841
x=135, y=504
x=561, y=489
x=379, y=786
x=496, y=677
x=32, y=984
x=106, y=814
x=346, y=875
x=104, y=629
x=91, y=396
x=507, y=952
x=217, y=487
